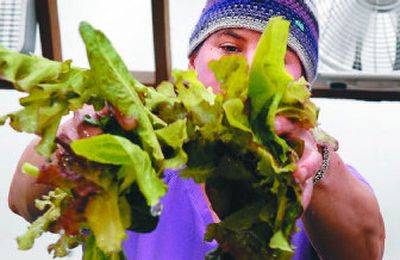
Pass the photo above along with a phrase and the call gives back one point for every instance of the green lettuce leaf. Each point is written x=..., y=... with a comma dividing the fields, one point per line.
x=174, y=136
x=278, y=241
x=93, y=252
x=323, y=138
x=104, y=219
x=244, y=218
x=267, y=84
x=112, y=149
x=118, y=86
x=191, y=91
x=64, y=244
x=53, y=89
x=244, y=244
x=26, y=72
x=30, y=169
x=229, y=71
x=234, y=111
x=53, y=200
x=297, y=106
x=163, y=95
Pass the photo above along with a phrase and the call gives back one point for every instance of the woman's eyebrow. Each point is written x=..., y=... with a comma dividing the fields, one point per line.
x=232, y=34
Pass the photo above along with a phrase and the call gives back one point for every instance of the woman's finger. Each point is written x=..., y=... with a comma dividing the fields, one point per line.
x=76, y=127
x=307, y=188
x=127, y=123
x=311, y=159
x=284, y=126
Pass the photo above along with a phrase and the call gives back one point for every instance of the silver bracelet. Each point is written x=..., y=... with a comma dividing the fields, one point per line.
x=325, y=162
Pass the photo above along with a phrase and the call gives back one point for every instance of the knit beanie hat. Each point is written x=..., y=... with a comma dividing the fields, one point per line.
x=254, y=15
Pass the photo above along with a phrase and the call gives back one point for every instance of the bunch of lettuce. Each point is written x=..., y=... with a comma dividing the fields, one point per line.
x=112, y=182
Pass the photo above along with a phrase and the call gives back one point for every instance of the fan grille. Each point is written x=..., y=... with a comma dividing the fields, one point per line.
x=360, y=35
x=10, y=23
x=18, y=25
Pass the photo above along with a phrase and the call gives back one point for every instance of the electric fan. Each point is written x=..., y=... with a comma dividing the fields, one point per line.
x=18, y=25
x=360, y=43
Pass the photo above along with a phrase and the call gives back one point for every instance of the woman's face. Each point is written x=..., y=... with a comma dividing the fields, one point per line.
x=234, y=41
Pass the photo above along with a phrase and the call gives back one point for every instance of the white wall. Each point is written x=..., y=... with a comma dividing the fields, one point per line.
x=367, y=131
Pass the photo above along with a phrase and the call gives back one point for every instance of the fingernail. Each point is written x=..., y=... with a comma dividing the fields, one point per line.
x=304, y=201
x=300, y=175
x=129, y=123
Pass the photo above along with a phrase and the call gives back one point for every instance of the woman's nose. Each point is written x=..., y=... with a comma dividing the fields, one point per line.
x=250, y=55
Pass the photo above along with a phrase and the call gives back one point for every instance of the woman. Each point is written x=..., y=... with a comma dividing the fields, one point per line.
x=341, y=218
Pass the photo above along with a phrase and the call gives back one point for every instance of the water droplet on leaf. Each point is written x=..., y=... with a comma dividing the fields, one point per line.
x=156, y=209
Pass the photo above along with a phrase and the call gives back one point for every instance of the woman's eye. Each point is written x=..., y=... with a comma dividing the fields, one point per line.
x=230, y=49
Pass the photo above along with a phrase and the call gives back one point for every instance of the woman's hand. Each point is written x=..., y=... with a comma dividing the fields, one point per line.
x=24, y=189
x=310, y=161
x=339, y=203
x=78, y=128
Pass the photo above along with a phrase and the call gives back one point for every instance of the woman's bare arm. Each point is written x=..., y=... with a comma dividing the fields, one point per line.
x=342, y=216
x=343, y=219
x=24, y=189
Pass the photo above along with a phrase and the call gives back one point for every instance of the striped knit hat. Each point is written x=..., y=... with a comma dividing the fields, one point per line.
x=254, y=15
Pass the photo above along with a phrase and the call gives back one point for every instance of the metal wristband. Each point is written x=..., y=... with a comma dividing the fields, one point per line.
x=325, y=162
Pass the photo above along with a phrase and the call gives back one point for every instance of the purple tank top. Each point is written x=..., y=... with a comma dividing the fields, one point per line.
x=179, y=233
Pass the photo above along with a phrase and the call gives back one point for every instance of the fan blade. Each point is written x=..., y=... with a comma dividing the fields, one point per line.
x=342, y=41
x=396, y=65
x=357, y=64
